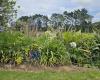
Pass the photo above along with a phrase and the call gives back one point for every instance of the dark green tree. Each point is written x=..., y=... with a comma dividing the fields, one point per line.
x=83, y=20
x=24, y=18
x=79, y=19
x=40, y=21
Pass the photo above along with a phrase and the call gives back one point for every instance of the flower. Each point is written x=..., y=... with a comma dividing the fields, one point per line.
x=73, y=44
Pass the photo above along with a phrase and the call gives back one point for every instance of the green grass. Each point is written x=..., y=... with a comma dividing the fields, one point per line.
x=49, y=75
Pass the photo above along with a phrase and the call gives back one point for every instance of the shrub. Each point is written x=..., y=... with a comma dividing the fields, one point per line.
x=96, y=50
x=53, y=50
x=12, y=45
x=80, y=55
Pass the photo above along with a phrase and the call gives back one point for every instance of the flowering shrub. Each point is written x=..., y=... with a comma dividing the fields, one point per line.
x=81, y=47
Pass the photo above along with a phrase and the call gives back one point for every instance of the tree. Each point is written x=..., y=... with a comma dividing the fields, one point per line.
x=21, y=23
x=40, y=21
x=24, y=18
x=83, y=19
x=37, y=21
x=7, y=11
x=57, y=20
x=96, y=25
x=69, y=21
x=79, y=19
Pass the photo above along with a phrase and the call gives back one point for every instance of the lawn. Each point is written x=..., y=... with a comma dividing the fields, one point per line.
x=50, y=75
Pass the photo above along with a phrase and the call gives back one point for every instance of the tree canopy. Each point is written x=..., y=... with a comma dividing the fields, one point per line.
x=7, y=11
x=78, y=19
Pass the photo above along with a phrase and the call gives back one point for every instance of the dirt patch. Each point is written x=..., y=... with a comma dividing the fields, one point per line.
x=29, y=68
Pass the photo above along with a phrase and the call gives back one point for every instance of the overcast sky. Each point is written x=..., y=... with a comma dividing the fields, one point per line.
x=47, y=7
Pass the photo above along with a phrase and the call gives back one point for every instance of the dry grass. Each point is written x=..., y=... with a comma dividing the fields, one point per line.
x=29, y=68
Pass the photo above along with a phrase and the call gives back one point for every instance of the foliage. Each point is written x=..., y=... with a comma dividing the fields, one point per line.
x=96, y=49
x=12, y=45
x=78, y=20
x=53, y=51
x=51, y=48
x=7, y=11
x=37, y=22
x=77, y=36
x=96, y=25
x=85, y=52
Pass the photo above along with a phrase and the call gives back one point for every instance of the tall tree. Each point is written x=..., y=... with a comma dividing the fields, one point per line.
x=69, y=20
x=57, y=20
x=40, y=21
x=83, y=19
x=7, y=11
x=24, y=18
x=79, y=19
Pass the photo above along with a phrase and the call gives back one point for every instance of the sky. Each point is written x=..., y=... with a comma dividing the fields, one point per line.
x=47, y=7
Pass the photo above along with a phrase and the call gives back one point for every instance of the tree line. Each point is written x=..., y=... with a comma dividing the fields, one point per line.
x=77, y=19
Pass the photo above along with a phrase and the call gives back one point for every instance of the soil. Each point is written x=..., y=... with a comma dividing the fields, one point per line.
x=29, y=68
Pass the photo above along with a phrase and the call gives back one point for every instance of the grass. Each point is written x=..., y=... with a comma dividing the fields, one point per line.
x=50, y=75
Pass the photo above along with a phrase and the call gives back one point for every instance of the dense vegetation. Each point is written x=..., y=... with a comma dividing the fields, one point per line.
x=51, y=48
x=11, y=46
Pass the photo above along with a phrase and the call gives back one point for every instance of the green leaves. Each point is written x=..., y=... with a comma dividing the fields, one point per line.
x=53, y=50
x=8, y=11
x=11, y=44
x=84, y=41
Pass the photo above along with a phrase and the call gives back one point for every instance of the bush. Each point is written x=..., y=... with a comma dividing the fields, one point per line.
x=12, y=45
x=82, y=54
x=96, y=50
x=57, y=48
x=53, y=50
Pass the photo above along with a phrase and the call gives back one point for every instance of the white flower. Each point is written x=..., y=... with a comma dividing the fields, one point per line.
x=73, y=44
